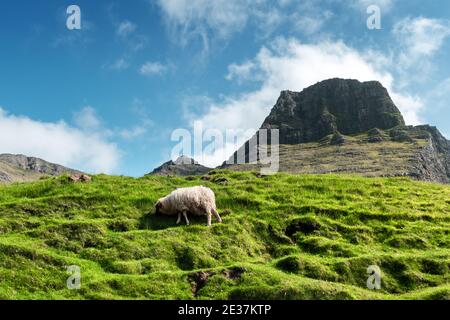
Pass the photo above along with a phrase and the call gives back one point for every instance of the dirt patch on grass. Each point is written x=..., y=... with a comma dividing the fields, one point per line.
x=306, y=225
x=199, y=279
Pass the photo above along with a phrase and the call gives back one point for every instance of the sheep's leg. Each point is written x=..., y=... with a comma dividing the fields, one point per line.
x=208, y=216
x=185, y=217
x=179, y=218
x=214, y=212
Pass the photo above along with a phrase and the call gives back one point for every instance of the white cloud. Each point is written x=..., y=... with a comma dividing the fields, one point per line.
x=153, y=68
x=125, y=28
x=118, y=65
x=138, y=42
x=202, y=20
x=134, y=41
x=222, y=16
x=267, y=19
x=225, y=17
x=205, y=20
x=289, y=64
x=417, y=40
x=309, y=17
x=421, y=36
x=59, y=142
x=409, y=105
x=240, y=71
x=310, y=24
x=87, y=119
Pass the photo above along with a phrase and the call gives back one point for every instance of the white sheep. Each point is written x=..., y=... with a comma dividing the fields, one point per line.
x=196, y=200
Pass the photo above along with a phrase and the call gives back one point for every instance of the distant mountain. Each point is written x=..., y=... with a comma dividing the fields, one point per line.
x=347, y=126
x=20, y=168
x=183, y=166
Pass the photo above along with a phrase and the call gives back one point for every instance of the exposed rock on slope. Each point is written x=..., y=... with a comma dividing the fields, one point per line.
x=9, y=173
x=347, y=126
x=20, y=168
x=183, y=166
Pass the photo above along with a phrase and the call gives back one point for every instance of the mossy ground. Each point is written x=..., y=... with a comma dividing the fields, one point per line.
x=282, y=237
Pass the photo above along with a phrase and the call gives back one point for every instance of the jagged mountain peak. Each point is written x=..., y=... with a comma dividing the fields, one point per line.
x=184, y=160
x=182, y=166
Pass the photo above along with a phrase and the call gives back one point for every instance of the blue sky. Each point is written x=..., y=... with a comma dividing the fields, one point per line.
x=107, y=98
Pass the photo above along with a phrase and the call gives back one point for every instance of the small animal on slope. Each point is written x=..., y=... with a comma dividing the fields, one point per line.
x=198, y=200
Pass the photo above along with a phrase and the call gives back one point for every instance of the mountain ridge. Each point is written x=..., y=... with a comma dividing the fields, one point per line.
x=21, y=168
x=334, y=126
x=348, y=126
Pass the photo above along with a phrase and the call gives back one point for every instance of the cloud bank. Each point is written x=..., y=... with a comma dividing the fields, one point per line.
x=74, y=147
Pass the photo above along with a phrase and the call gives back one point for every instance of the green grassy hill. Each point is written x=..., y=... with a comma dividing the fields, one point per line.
x=282, y=237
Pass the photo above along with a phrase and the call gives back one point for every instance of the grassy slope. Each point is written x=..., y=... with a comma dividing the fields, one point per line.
x=284, y=237
x=387, y=158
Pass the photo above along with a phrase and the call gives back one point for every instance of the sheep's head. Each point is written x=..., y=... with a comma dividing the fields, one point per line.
x=159, y=207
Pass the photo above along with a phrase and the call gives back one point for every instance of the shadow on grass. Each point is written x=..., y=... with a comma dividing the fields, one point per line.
x=151, y=221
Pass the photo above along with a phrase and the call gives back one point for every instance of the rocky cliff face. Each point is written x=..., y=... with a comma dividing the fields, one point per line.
x=183, y=166
x=336, y=105
x=347, y=126
x=432, y=163
x=18, y=168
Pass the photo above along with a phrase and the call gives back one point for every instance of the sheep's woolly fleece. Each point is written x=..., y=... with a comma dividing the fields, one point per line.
x=195, y=200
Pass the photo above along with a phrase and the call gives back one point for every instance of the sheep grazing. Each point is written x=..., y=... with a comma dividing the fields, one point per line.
x=195, y=200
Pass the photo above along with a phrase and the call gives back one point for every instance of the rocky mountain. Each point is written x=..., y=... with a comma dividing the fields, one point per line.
x=345, y=106
x=347, y=126
x=183, y=166
x=20, y=168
